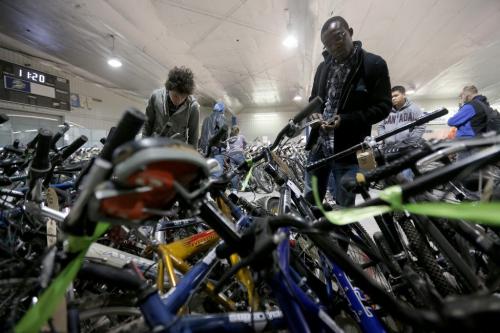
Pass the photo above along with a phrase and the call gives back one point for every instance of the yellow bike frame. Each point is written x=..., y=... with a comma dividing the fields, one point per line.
x=173, y=255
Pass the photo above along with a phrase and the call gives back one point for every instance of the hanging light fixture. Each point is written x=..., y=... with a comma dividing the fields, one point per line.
x=114, y=61
x=290, y=41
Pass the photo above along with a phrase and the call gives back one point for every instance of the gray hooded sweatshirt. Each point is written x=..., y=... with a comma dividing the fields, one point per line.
x=397, y=118
x=184, y=121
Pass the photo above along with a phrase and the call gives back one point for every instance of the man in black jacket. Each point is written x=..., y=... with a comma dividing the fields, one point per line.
x=356, y=89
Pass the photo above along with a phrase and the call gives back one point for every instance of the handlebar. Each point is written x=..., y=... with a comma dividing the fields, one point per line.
x=40, y=165
x=128, y=127
x=420, y=121
x=215, y=139
x=41, y=159
x=59, y=135
x=69, y=150
x=32, y=143
x=310, y=108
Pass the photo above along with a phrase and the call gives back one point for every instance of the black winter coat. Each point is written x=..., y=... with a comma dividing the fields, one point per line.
x=365, y=99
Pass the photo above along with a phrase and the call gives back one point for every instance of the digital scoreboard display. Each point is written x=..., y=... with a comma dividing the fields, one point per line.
x=28, y=86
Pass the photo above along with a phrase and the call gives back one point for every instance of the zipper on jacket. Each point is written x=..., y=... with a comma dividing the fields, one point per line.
x=351, y=80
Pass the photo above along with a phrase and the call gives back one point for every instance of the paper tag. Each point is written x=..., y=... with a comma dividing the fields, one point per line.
x=366, y=160
x=52, y=202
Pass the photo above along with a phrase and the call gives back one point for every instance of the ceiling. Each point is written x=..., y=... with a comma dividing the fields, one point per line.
x=235, y=47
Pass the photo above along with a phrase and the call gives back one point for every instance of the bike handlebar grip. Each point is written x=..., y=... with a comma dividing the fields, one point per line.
x=216, y=138
x=32, y=143
x=41, y=159
x=310, y=108
x=126, y=130
x=111, y=132
x=74, y=146
x=56, y=138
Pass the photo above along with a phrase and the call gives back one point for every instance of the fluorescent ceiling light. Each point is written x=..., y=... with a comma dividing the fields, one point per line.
x=297, y=98
x=291, y=42
x=32, y=130
x=114, y=62
x=410, y=92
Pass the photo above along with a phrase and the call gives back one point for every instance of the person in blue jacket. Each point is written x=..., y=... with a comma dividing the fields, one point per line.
x=210, y=127
x=469, y=120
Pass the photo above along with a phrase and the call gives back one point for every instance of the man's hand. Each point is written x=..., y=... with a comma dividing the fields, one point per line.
x=315, y=116
x=328, y=126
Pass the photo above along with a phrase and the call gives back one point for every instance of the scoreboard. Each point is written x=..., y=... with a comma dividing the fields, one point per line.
x=28, y=86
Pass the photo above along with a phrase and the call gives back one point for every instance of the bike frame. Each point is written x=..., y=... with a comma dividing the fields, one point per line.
x=161, y=313
x=365, y=317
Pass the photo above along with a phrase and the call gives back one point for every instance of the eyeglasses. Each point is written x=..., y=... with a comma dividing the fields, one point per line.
x=334, y=37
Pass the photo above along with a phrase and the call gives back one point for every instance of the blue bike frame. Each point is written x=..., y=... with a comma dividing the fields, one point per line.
x=355, y=297
x=160, y=313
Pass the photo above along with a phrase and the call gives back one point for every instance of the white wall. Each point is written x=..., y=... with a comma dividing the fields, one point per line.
x=438, y=129
x=258, y=122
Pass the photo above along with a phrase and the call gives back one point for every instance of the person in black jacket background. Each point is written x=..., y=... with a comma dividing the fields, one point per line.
x=356, y=88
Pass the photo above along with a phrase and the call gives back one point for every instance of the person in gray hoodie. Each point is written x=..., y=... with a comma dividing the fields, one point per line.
x=173, y=111
x=403, y=112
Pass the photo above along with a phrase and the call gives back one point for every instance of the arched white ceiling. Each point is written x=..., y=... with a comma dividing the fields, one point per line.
x=235, y=46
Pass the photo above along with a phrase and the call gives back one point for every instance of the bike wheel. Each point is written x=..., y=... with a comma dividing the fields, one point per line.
x=105, y=313
x=269, y=204
x=105, y=319
x=427, y=260
x=262, y=180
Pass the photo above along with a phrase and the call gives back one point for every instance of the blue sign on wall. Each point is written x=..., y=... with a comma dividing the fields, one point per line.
x=14, y=83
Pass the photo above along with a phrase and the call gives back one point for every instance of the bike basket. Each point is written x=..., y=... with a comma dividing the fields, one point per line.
x=147, y=176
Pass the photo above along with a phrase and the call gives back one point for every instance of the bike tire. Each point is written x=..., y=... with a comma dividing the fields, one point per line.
x=426, y=258
x=262, y=180
x=384, y=249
